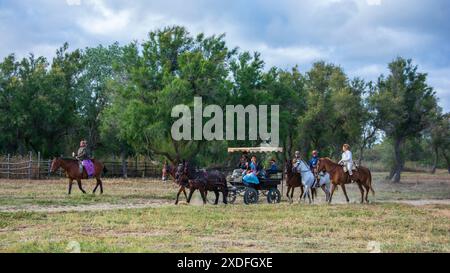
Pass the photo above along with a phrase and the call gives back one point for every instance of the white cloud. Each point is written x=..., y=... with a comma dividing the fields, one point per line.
x=73, y=2
x=373, y=2
x=104, y=20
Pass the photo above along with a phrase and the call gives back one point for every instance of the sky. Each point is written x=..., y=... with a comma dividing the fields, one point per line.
x=362, y=36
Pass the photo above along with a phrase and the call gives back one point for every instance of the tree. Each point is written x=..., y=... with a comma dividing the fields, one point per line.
x=92, y=90
x=172, y=69
x=440, y=140
x=333, y=113
x=405, y=105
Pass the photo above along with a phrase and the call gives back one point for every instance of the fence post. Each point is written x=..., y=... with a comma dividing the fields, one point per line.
x=30, y=166
x=39, y=166
x=49, y=165
x=145, y=167
x=9, y=166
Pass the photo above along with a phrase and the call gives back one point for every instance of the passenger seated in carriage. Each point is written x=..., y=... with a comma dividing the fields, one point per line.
x=251, y=174
x=273, y=168
x=243, y=161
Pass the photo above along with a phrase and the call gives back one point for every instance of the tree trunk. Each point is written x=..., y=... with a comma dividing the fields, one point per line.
x=447, y=159
x=436, y=160
x=361, y=155
x=398, y=167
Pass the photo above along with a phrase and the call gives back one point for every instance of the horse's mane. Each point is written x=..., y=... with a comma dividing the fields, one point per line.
x=329, y=160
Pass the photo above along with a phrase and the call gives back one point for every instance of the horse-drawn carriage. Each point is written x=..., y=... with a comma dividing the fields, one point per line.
x=268, y=186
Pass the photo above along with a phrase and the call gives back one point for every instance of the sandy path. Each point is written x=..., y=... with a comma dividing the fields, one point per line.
x=164, y=203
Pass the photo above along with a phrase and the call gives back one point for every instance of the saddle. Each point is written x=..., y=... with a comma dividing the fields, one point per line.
x=88, y=165
x=355, y=167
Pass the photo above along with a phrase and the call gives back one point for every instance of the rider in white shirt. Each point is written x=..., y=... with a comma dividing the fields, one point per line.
x=347, y=159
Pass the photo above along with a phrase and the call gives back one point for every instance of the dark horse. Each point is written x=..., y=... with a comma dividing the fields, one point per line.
x=175, y=173
x=362, y=176
x=72, y=170
x=293, y=180
x=203, y=181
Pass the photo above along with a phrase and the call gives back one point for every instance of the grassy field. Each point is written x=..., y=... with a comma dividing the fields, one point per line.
x=139, y=216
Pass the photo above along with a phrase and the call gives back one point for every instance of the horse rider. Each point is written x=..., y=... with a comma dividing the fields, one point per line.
x=296, y=161
x=314, y=160
x=83, y=154
x=347, y=160
x=313, y=164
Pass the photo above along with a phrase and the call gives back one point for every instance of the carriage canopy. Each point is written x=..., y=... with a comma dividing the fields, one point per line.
x=255, y=150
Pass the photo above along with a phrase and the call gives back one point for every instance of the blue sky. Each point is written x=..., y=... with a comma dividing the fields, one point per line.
x=360, y=35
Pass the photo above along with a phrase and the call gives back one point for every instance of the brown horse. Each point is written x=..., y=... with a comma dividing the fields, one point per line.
x=175, y=173
x=362, y=176
x=205, y=181
x=293, y=181
x=72, y=170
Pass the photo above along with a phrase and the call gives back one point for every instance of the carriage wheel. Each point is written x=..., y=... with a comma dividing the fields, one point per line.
x=251, y=196
x=232, y=195
x=274, y=196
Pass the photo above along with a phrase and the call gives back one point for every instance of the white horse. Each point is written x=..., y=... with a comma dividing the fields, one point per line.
x=308, y=178
x=325, y=183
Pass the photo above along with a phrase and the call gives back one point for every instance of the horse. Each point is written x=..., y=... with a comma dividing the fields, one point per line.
x=324, y=181
x=308, y=179
x=72, y=169
x=362, y=176
x=205, y=181
x=293, y=181
x=175, y=173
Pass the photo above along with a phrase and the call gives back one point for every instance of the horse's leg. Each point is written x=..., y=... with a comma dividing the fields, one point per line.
x=216, y=192
x=184, y=191
x=96, y=186
x=80, y=186
x=325, y=190
x=203, y=194
x=303, y=192
x=345, y=193
x=333, y=189
x=191, y=192
x=362, y=192
x=367, y=193
x=288, y=192
x=70, y=186
x=178, y=195
x=225, y=195
x=292, y=194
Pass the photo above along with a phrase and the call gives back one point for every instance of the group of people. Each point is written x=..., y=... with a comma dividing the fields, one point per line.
x=253, y=170
x=346, y=161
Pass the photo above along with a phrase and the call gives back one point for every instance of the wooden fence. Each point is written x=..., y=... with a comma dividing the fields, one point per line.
x=37, y=168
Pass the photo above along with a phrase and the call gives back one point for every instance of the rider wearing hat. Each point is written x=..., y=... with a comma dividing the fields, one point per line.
x=83, y=154
x=313, y=164
x=314, y=160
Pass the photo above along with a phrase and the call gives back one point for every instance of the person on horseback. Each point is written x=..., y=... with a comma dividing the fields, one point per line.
x=313, y=165
x=83, y=154
x=347, y=160
x=296, y=162
x=314, y=160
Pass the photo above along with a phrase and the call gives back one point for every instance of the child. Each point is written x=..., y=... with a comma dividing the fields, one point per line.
x=347, y=159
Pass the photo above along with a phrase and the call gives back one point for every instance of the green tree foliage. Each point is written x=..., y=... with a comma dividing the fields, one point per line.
x=172, y=68
x=120, y=98
x=334, y=111
x=405, y=105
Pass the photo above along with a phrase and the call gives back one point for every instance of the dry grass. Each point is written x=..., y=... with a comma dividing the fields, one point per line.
x=236, y=228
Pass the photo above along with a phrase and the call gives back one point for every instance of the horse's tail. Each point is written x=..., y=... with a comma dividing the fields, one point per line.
x=105, y=170
x=370, y=183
